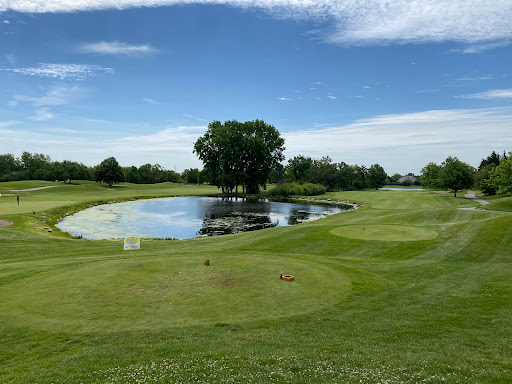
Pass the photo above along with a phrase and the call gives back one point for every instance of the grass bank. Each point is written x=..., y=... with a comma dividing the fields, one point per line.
x=432, y=304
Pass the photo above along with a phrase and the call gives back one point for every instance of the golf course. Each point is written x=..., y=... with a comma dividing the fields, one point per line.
x=408, y=288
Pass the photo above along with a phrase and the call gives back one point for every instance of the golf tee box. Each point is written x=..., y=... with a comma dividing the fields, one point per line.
x=131, y=243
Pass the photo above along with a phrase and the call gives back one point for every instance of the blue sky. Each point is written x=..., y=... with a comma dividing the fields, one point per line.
x=400, y=84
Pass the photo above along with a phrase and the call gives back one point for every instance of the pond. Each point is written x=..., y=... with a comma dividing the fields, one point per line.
x=189, y=217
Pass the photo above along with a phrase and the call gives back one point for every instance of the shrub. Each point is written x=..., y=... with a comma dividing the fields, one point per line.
x=289, y=189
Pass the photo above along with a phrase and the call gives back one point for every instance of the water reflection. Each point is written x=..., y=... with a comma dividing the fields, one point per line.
x=189, y=217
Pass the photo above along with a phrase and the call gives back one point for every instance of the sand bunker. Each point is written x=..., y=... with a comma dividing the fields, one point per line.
x=5, y=223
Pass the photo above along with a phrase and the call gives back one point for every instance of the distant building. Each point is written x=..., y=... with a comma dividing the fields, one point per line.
x=411, y=179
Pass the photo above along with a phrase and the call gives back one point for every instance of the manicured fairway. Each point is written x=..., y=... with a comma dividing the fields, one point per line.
x=433, y=304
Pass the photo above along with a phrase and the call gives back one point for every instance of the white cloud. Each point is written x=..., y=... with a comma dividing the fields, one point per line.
x=6, y=22
x=480, y=23
x=470, y=78
x=408, y=141
x=489, y=95
x=56, y=96
x=62, y=71
x=12, y=103
x=479, y=48
x=428, y=91
x=150, y=101
x=116, y=48
x=332, y=97
x=4, y=124
x=283, y=99
x=42, y=114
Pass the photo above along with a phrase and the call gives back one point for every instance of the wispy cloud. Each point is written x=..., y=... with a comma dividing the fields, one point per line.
x=56, y=96
x=62, y=71
x=479, y=48
x=150, y=101
x=332, y=97
x=489, y=95
x=481, y=24
x=283, y=99
x=428, y=91
x=472, y=78
x=12, y=103
x=408, y=141
x=116, y=48
x=4, y=124
x=6, y=22
x=42, y=114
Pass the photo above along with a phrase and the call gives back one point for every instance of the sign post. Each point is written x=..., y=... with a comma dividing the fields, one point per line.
x=131, y=243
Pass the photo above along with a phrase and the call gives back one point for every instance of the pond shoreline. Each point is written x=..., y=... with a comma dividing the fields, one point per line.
x=192, y=216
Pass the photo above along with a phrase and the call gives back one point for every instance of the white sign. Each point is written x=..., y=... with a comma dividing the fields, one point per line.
x=131, y=242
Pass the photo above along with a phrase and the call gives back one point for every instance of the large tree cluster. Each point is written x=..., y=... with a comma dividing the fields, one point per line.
x=239, y=154
x=334, y=176
x=451, y=174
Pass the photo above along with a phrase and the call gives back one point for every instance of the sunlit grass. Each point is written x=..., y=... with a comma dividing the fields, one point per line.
x=436, y=308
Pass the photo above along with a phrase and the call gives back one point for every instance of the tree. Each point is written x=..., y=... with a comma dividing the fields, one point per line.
x=494, y=159
x=109, y=171
x=456, y=175
x=37, y=165
x=431, y=176
x=501, y=176
x=237, y=153
x=300, y=168
x=377, y=176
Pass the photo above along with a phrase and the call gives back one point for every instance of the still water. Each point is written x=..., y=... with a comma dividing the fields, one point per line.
x=189, y=217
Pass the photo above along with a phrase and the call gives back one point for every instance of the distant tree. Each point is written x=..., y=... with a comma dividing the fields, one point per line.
x=377, y=176
x=395, y=178
x=501, y=176
x=109, y=171
x=456, y=175
x=277, y=174
x=345, y=175
x=190, y=176
x=36, y=166
x=300, y=168
x=431, y=176
x=11, y=168
x=493, y=159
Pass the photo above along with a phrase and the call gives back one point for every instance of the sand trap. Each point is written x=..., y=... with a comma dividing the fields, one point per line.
x=31, y=189
x=5, y=223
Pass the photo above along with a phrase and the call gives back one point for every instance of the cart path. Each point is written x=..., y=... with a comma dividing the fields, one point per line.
x=31, y=189
x=472, y=195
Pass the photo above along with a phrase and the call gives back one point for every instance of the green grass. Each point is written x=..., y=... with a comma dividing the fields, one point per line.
x=368, y=308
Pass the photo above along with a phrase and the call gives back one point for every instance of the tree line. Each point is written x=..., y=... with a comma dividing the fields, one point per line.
x=38, y=166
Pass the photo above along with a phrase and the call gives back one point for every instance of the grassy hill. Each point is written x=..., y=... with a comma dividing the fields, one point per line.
x=422, y=294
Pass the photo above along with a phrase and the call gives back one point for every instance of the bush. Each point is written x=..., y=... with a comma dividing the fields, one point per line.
x=289, y=189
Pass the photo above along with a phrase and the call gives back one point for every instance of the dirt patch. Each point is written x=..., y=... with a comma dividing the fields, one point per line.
x=443, y=192
x=5, y=223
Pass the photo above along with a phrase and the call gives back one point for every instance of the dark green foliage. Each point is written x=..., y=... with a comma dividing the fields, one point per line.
x=11, y=168
x=296, y=189
x=377, y=176
x=237, y=153
x=300, y=168
x=430, y=176
x=109, y=171
x=493, y=159
x=456, y=175
x=501, y=176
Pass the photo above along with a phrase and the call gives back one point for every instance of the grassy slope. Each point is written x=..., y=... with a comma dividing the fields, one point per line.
x=434, y=310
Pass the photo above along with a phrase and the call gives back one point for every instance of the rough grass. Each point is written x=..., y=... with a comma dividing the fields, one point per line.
x=373, y=311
